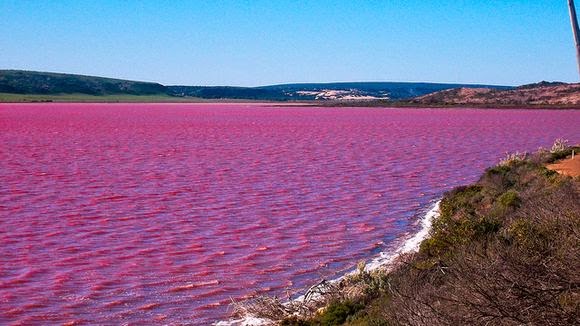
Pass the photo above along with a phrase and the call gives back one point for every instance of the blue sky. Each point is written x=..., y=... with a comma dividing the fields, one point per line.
x=267, y=42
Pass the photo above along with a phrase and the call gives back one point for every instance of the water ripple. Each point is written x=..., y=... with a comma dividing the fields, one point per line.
x=138, y=213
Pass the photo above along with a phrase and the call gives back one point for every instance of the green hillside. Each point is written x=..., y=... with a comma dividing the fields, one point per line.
x=31, y=82
x=27, y=86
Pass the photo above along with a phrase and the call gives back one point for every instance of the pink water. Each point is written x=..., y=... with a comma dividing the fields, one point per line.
x=150, y=213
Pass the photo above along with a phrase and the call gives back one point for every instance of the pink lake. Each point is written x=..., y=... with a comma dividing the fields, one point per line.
x=160, y=213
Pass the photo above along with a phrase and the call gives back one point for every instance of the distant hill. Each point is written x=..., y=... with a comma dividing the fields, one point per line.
x=365, y=90
x=46, y=83
x=544, y=93
x=319, y=91
x=226, y=92
x=32, y=82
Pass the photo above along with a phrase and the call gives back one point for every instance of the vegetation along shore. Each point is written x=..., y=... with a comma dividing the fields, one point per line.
x=504, y=250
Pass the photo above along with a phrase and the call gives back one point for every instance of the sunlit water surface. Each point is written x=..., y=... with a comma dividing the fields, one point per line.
x=160, y=213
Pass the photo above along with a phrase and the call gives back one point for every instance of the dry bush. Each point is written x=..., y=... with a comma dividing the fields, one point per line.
x=559, y=145
x=525, y=273
x=276, y=309
x=352, y=289
x=512, y=158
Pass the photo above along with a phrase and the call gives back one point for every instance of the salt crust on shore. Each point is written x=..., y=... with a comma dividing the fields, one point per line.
x=384, y=261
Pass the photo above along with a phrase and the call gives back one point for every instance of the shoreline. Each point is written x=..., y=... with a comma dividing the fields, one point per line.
x=469, y=263
x=384, y=262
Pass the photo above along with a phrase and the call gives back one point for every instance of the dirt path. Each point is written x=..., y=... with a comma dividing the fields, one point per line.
x=569, y=166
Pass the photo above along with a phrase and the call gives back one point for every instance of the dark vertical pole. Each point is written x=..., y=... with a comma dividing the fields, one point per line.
x=575, y=30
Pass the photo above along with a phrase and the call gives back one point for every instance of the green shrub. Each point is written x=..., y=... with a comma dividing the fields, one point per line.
x=424, y=264
x=499, y=178
x=458, y=220
x=548, y=173
x=533, y=237
x=337, y=313
x=485, y=226
x=509, y=199
x=295, y=321
x=461, y=198
x=453, y=231
x=498, y=170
